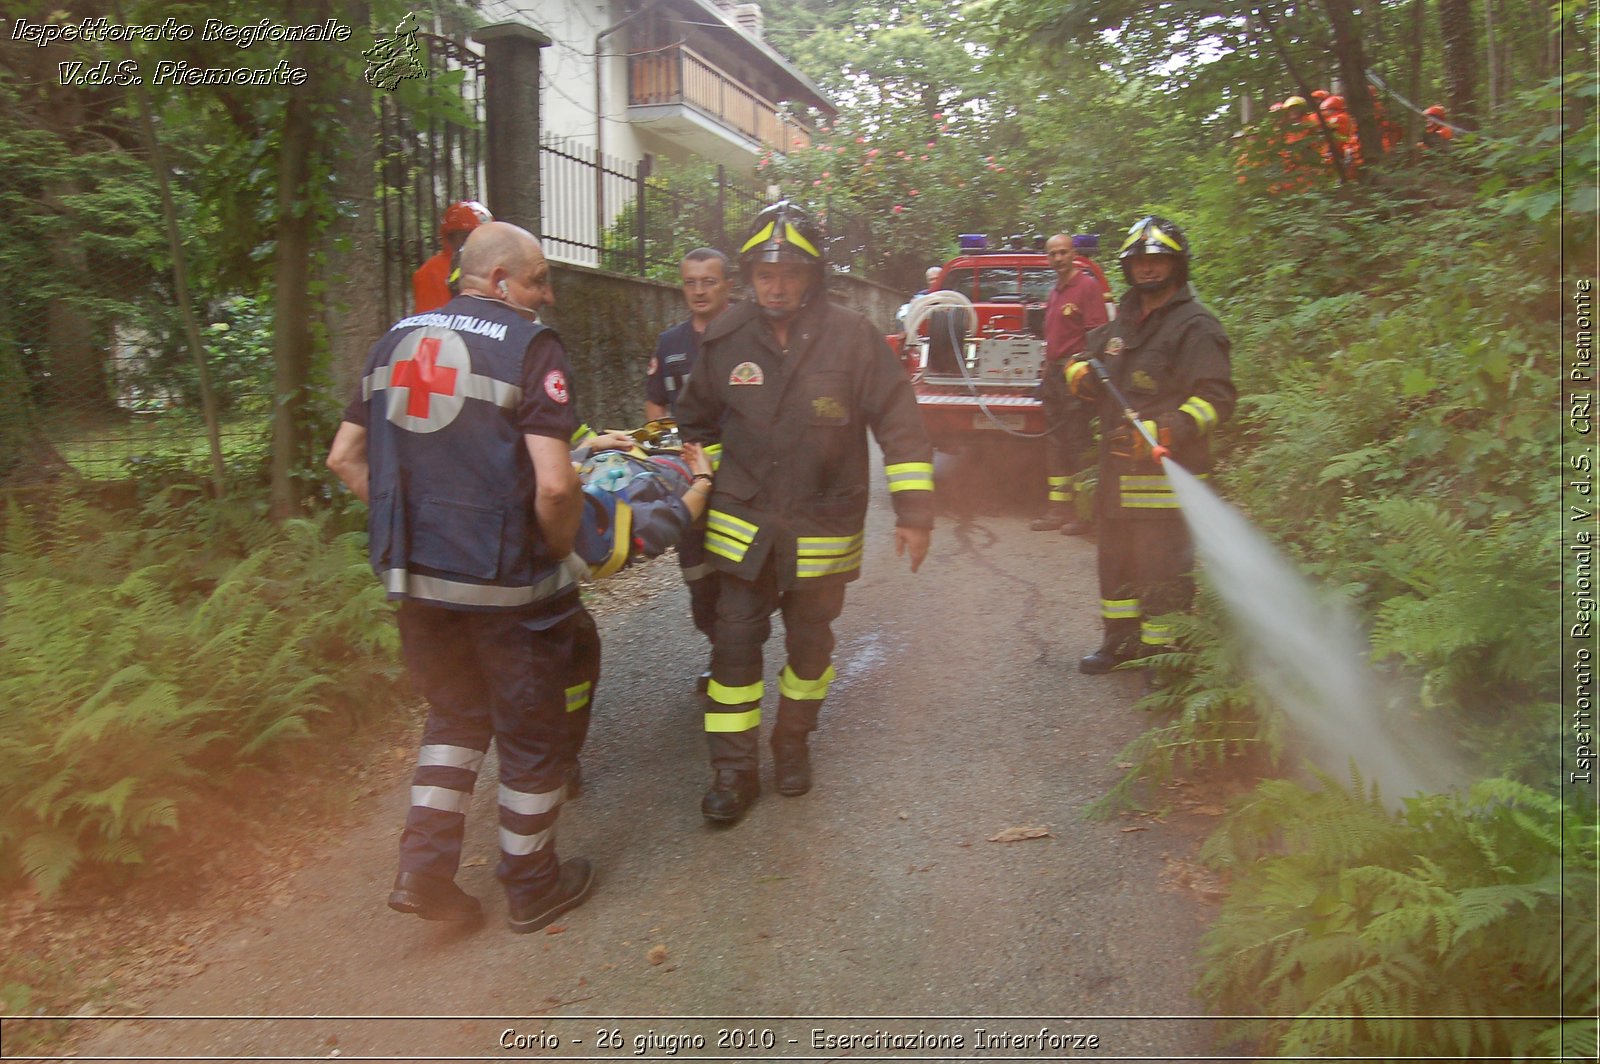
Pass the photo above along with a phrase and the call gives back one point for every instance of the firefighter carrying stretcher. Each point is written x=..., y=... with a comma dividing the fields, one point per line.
x=785, y=389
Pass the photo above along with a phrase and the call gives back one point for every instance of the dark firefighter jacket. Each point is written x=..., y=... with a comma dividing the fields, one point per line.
x=1173, y=369
x=792, y=429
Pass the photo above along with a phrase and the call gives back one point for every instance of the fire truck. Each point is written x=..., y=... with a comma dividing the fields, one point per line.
x=976, y=373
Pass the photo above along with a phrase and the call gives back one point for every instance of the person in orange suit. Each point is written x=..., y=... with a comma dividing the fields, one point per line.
x=431, y=286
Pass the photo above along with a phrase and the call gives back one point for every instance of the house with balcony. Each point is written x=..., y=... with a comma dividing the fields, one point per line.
x=626, y=86
x=627, y=80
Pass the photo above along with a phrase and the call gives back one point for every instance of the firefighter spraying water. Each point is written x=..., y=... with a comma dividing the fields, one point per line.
x=1308, y=655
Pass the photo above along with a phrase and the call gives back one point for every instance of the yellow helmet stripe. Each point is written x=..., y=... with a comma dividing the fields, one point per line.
x=764, y=234
x=761, y=236
x=793, y=236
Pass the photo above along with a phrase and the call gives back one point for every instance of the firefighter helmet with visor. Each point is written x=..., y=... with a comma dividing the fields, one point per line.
x=1155, y=235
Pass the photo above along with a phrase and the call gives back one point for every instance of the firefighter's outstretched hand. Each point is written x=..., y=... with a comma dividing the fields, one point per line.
x=914, y=540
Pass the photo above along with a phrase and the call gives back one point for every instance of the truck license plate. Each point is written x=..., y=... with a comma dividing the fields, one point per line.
x=1014, y=422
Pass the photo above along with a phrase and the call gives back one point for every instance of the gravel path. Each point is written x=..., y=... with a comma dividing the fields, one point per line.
x=874, y=908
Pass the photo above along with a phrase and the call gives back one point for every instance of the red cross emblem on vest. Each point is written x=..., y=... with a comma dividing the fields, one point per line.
x=428, y=381
x=423, y=377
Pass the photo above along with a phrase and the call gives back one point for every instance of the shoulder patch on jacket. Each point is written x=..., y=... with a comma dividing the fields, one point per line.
x=747, y=373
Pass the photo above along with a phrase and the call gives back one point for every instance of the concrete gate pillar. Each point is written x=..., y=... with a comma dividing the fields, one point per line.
x=511, y=121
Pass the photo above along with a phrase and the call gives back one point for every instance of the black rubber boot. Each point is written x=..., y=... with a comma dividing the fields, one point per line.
x=732, y=792
x=1120, y=644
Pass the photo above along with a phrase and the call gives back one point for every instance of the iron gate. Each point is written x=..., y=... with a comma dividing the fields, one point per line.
x=427, y=161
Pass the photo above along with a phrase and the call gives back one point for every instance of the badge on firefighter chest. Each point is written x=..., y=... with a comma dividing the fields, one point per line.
x=826, y=410
x=1114, y=346
x=747, y=373
x=1142, y=381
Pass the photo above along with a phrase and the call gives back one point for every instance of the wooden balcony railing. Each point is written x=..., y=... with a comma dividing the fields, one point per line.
x=679, y=75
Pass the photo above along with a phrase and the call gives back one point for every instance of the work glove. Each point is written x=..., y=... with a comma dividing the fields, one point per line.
x=1082, y=381
x=1125, y=442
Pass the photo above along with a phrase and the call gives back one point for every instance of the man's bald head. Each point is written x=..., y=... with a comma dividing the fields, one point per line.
x=492, y=244
x=504, y=261
x=1058, y=250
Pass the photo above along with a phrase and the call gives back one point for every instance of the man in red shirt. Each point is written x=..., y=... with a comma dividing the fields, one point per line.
x=1076, y=305
x=430, y=285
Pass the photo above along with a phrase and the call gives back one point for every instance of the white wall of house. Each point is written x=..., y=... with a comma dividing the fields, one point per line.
x=567, y=78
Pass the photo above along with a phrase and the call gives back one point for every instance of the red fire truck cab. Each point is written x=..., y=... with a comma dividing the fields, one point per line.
x=980, y=385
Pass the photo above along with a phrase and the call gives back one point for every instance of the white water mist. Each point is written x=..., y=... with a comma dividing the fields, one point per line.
x=1306, y=652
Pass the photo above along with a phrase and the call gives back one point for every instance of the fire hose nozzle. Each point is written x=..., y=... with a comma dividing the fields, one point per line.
x=1157, y=451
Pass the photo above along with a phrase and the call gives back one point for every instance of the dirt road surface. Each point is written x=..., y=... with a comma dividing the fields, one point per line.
x=873, y=906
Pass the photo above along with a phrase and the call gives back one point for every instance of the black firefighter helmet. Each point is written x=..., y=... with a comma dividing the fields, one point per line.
x=1155, y=235
x=784, y=232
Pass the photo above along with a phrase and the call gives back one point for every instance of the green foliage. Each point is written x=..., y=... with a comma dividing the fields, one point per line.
x=1352, y=931
x=144, y=660
x=1208, y=711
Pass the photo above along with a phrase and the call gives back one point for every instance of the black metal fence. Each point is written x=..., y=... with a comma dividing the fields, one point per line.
x=109, y=385
x=636, y=219
x=632, y=218
x=428, y=158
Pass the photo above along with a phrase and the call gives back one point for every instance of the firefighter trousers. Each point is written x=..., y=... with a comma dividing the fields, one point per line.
x=1146, y=569
x=525, y=682
x=744, y=621
x=1068, y=442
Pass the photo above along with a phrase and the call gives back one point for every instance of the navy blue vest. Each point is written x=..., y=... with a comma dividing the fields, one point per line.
x=451, y=521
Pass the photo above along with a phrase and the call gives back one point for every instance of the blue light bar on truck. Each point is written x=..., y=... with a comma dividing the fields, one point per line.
x=973, y=241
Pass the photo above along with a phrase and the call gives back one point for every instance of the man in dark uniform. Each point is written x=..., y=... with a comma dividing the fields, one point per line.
x=706, y=290
x=458, y=443
x=786, y=388
x=1076, y=305
x=1168, y=355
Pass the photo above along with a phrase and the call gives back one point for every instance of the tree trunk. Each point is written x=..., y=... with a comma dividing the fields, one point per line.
x=26, y=456
x=354, y=310
x=1460, y=61
x=292, y=312
x=75, y=351
x=1352, y=58
x=1415, y=49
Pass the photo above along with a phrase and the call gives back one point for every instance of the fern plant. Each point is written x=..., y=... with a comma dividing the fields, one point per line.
x=1353, y=931
x=141, y=658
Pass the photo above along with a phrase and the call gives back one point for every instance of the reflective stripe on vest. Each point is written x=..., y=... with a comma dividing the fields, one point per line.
x=910, y=476
x=793, y=687
x=729, y=536
x=438, y=589
x=1148, y=492
x=828, y=555
x=578, y=696
x=472, y=386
